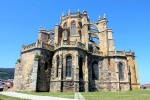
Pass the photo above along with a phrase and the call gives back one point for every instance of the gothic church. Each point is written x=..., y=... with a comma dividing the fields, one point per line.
x=77, y=55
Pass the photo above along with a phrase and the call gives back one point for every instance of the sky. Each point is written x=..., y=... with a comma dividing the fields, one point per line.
x=129, y=20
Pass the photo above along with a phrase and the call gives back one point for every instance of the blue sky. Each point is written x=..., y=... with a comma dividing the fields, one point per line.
x=129, y=19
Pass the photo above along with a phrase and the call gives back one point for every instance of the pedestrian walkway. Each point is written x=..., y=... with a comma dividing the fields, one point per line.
x=78, y=96
x=32, y=97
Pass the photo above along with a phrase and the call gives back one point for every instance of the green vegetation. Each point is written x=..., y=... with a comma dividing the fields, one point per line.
x=37, y=56
x=3, y=97
x=19, y=60
x=122, y=95
x=7, y=73
x=53, y=94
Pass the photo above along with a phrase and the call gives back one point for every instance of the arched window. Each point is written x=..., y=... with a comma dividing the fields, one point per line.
x=73, y=28
x=65, y=34
x=65, y=25
x=121, y=73
x=95, y=71
x=68, y=66
x=57, y=66
x=46, y=66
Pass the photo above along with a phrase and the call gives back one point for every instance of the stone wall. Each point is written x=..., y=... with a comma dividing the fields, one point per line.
x=18, y=77
x=135, y=84
x=44, y=70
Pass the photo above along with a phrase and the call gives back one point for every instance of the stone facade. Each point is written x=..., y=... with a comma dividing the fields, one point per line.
x=78, y=55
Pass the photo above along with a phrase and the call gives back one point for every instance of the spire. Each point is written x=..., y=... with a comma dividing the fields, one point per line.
x=83, y=11
x=40, y=27
x=63, y=14
x=69, y=12
x=104, y=15
x=99, y=18
x=78, y=10
x=89, y=17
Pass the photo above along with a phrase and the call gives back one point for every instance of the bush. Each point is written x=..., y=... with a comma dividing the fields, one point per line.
x=18, y=61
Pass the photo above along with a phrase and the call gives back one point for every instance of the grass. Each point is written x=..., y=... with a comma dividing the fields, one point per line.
x=122, y=95
x=3, y=97
x=53, y=94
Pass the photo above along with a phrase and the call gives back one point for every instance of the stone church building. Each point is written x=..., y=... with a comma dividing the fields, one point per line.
x=77, y=55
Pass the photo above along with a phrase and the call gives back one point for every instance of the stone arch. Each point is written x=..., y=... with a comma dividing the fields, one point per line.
x=80, y=24
x=65, y=25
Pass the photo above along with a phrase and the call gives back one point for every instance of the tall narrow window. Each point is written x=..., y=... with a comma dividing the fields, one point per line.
x=65, y=25
x=73, y=28
x=46, y=66
x=95, y=71
x=65, y=34
x=121, y=73
x=57, y=66
x=80, y=68
x=68, y=66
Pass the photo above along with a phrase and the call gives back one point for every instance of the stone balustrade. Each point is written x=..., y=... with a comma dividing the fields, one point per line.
x=117, y=53
x=64, y=17
x=81, y=45
x=47, y=46
x=130, y=53
x=120, y=53
x=37, y=45
x=70, y=44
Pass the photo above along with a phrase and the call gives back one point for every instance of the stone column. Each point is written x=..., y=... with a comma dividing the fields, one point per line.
x=60, y=72
x=86, y=75
x=18, y=77
x=76, y=74
x=117, y=76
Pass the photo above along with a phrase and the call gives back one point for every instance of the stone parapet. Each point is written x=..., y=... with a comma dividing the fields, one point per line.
x=72, y=44
x=117, y=53
x=37, y=45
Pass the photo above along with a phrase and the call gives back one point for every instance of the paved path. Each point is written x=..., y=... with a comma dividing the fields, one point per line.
x=32, y=97
x=78, y=96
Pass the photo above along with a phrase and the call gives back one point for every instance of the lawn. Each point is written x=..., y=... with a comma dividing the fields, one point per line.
x=3, y=97
x=53, y=94
x=122, y=95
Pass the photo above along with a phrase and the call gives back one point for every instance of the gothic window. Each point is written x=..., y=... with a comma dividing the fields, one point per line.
x=46, y=66
x=65, y=25
x=80, y=24
x=121, y=73
x=95, y=71
x=68, y=66
x=73, y=28
x=57, y=66
x=65, y=34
